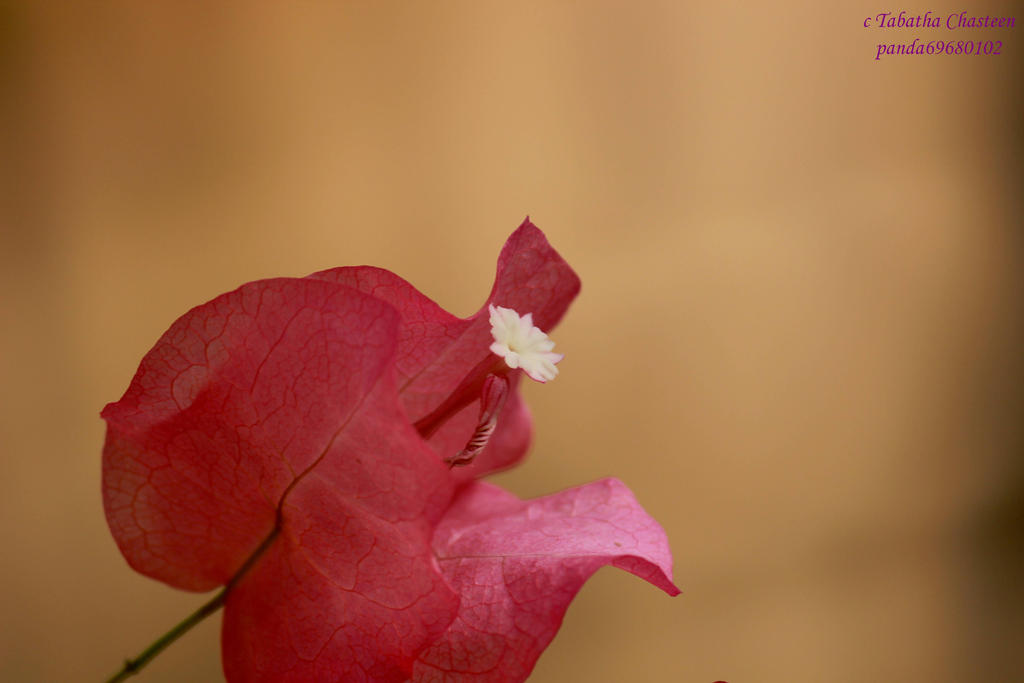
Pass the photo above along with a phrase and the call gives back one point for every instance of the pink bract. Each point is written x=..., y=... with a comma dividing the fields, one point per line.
x=296, y=428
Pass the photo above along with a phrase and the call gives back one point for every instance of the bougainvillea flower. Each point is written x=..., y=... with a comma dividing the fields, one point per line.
x=522, y=344
x=313, y=444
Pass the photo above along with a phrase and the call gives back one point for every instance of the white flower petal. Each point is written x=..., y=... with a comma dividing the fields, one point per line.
x=522, y=344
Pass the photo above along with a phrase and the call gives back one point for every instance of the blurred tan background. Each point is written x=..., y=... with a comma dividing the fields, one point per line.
x=798, y=339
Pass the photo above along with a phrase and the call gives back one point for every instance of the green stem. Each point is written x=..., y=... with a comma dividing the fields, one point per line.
x=133, y=666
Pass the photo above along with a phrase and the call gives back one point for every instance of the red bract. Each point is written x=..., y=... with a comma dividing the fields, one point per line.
x=288, y=440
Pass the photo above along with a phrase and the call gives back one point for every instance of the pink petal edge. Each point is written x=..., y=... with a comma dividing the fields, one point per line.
x=518, y=564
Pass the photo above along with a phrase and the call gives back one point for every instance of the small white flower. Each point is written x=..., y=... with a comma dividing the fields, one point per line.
x=522, y=345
